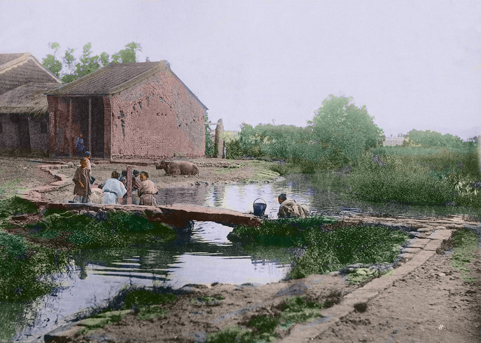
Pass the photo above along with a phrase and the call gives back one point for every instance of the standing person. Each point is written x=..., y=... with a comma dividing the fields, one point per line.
x=79, y=144
x=113, y=189
x=147, y=190
x=82, y=183
x=89, y=166
x=290, y=209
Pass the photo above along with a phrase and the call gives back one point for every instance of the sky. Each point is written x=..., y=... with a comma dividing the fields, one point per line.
x=413, y=64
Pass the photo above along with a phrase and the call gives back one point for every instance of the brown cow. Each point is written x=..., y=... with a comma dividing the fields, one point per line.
x=178, y=168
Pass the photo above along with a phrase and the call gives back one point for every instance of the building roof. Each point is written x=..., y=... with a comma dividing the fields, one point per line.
x=115, y=78
x=28, y=99
x=20, y=69
x=23, y=84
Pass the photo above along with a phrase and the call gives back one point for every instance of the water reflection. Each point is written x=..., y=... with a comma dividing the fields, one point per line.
x=204, y=256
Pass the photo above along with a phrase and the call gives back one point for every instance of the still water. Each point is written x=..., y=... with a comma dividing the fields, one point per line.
x=203, y=257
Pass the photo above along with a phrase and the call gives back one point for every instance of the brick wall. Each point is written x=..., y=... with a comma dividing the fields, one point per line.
x=23, y=133
x=157, y=118
x=39, y=139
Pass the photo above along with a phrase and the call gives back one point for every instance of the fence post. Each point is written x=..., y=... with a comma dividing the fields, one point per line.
x=129, y=185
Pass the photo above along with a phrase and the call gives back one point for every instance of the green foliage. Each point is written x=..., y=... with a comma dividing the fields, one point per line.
x=465, y=246
x=430, y=138
x=329, y=251
x=15, y=205
x=263, y=324
x=283, y=232
x=70, y=70
x=119, y=230
x=21, y=263
x=345, y=130
x=298, y=310
x=143, y=297
x=209, y=144
x=151, y=312
x=232, y=334
x=421, y=177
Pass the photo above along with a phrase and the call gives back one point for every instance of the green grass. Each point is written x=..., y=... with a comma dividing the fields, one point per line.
x=262, y=328
x=330, y=251
x=283, y=232
x=119, y=230
x=465, y=246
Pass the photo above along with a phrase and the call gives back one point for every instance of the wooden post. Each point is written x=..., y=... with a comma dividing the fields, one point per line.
x=70, y=135
x=129, y=185
x=90, y=126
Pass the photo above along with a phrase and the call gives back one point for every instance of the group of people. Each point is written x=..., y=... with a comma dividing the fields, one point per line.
x=143, y=189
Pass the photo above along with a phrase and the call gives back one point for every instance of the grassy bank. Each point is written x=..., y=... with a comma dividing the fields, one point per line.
x=433, y=178
x=45, y=247
x=327, y=246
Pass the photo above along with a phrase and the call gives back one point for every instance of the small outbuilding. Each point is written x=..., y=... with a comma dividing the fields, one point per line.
x=128, y=110
x=23, y=104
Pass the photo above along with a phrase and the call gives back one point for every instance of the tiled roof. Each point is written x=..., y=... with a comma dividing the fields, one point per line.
x=29, y=98
x=114, y=78
x=7, y=58
x=22, y=70
x=109, y=79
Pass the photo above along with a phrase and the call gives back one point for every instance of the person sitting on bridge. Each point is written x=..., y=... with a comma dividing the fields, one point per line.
x=147, y=190
x=113, y=189
x=290, y=209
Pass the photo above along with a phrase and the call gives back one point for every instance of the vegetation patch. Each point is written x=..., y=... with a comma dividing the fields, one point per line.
x=205, y=300
x=118, y=230
x=285, y=232
x=267, y=328
x=465, y=245
x=336, y=249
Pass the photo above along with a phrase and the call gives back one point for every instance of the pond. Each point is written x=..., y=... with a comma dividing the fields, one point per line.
x=203, y=257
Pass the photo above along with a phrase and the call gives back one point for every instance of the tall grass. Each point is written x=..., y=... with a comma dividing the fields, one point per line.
x=418, y=178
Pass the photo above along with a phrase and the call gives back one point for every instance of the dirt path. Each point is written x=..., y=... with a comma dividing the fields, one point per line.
x=432, y=304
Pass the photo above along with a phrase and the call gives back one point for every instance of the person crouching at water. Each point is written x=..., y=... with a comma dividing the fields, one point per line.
x=113, y=189
x=147, y=190
x=81, y=179
x=290, y=209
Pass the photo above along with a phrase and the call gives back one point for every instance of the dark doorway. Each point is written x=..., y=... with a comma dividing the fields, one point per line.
x=95, y=143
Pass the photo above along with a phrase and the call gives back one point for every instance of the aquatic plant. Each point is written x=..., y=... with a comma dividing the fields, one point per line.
x=330, y=251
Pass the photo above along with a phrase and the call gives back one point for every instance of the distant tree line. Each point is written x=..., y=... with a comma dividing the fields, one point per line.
x=69, y=69
x=339, y=134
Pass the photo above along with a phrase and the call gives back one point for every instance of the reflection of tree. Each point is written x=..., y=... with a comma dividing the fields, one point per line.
x=15, y=317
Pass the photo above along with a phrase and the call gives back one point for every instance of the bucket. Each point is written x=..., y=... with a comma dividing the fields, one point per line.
x=259, y=208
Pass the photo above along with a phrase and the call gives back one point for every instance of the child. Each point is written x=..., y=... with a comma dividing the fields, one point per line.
x=147, y=190
x=81, y=179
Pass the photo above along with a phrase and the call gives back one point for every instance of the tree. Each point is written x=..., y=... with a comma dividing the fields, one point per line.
x=68, y=70
x=431, y=139
x=344, y=129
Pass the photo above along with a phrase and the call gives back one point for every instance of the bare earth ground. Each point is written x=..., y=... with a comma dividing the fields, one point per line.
x=431, y=304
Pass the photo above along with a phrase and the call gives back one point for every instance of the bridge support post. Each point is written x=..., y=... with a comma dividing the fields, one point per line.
x=129, y=185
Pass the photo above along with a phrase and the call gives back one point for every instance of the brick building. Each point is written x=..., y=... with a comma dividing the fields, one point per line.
x=23, y=104
x=128, y=110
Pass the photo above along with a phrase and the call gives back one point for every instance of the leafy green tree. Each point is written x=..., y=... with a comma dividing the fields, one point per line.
x=345, y=130
x=68, y=69
x=430, y=138
x=51, y=62
x=209, y=144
